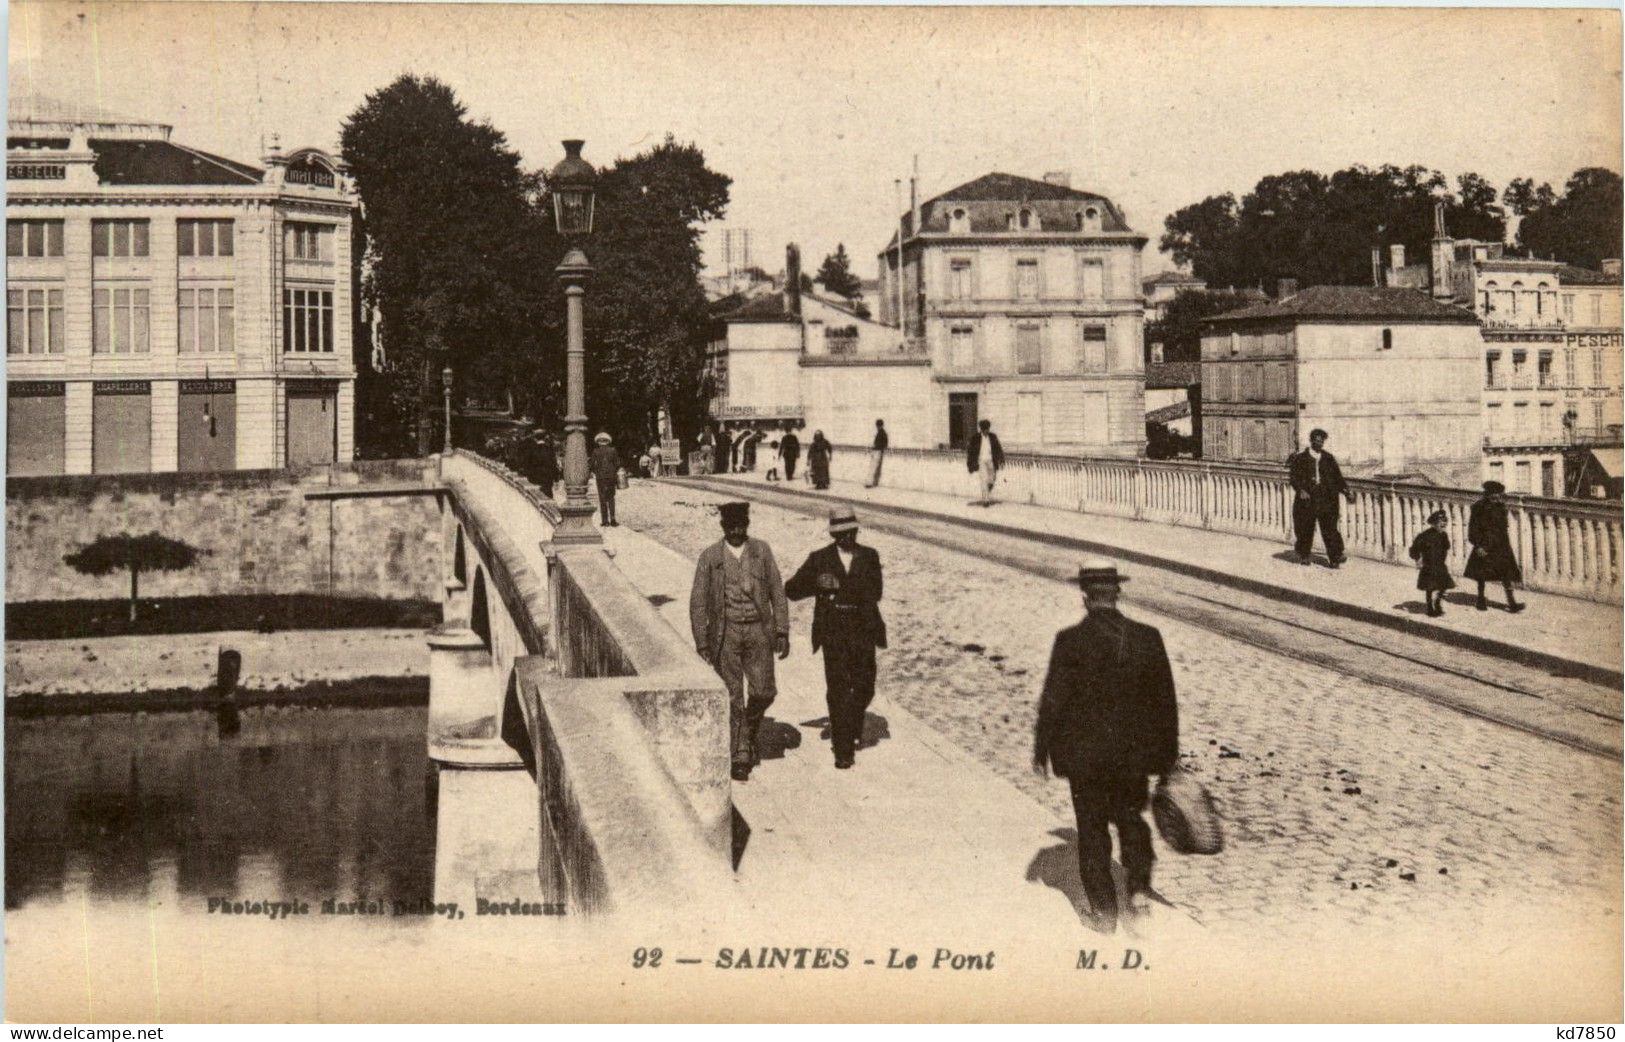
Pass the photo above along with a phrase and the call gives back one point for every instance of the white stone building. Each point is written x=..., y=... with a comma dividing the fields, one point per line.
x=1391, y=374
x=168, y=309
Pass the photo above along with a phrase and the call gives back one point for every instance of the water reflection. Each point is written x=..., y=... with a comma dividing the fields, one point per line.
x=300, y=803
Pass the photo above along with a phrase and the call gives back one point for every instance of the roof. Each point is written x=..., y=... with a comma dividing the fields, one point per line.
x=121, y=162
x=38, y=108
x=1167, y=376
x=1173, y=278
x=988, y=197
x=1358, y=303
x=1169, y=413
x=1569, y=275
x=769, y=307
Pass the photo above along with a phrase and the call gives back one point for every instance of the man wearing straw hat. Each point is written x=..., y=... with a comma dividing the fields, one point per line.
x=1107, y=720
x=605, y=466
x=845, y=577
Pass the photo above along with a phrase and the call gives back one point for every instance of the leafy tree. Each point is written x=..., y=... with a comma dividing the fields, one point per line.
x=1320, y=229
x=1580, y=227
x=136, y=553
x=454, y=250
x=646, y=314
x=836, y=273
x=1179, y=331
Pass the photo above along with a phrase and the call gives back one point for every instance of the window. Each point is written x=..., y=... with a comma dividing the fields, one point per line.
x=1493, y=418
x=1027, y=278
x=1094, y=349
x=1498, y=472
x=308, y=242
x=1491, y=297
x=1545, y=369
x=1571, y=374
x=1387, y=339
x=1025, y=219
x=119, y=321
x=1094, y=280
x=207, y=321
x=1596, y=309
x=1235, y=344
x=203, y=238
x=962, y=348
x=33, y=238
x=1568, y=307
x=1156, y=354
x=1517, y=291
x=1548, y=420
x=959, y=278
x=1596, y=368
x=1520, y=421
x=1596, y=415
x=307, y=320
x=118, y=238
x=1520, y=360
x=1029, y=349
x=34, y=321
x=1492, y=369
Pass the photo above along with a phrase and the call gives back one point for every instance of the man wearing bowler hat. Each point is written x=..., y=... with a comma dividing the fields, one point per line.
x=740, y=619
x=845, y=577
x=1107, y=720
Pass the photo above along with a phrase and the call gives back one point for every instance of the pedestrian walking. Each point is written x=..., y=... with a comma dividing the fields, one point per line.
x=605, y=465
x=790, y=452
x=877, y=454
x=1107, y=720
x=708, y=451
x=847, y=626
x=1431, y=552
x=1317, y=481
x=740, y=619
x=736, y=446
x=776, y=461
x=538, y=462
x=747, y=452
x=984, y=457
x=818, y=454
x=1492, y=558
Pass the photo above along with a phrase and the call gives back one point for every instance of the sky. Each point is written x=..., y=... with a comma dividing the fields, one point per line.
x=816, y=112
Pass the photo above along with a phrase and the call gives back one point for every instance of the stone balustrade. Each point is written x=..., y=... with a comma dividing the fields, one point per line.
x=557, y=658
x=1566, y=546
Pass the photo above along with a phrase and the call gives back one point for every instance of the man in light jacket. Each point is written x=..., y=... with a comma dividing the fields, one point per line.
x=740, y=619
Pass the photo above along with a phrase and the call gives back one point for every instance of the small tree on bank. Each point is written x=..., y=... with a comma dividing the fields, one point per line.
x=137, y=553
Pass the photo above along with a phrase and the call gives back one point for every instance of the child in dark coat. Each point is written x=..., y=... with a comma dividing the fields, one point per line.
x=1431, y=552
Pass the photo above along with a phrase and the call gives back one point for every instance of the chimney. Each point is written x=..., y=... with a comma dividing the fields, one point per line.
x=1376, y=267
x=1396, y=257
x=1059, y=178
x=1610, y=267
x=1284, y=288
x=792, y=280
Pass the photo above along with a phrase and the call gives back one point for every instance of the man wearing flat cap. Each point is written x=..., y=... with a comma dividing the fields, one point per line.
x=845, y=577
x=740, y=619
x=1317, y=481
x=1106, y=721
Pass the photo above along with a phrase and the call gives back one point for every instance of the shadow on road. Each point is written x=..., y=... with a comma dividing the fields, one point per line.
x=875, y=730
x=776, y=737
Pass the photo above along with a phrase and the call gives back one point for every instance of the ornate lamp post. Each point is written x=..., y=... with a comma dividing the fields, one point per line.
x=445, y=396
x=572, y=184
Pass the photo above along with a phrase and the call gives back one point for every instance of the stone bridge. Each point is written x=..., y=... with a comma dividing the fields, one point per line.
x=581, y=744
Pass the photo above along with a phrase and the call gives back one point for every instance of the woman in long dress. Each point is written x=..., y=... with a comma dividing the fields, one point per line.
x=1492, y=558
x=818, y=460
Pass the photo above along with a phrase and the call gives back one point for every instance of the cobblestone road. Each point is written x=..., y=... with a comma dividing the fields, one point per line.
x=1344, y=801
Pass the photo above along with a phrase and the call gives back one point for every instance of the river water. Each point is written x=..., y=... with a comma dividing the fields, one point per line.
x=301, y=803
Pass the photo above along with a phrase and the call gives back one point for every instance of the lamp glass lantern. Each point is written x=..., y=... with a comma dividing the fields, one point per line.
x=572, y=183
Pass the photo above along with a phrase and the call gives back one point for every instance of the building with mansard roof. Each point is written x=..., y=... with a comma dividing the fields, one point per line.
x=170, y=309
x=1025, y=296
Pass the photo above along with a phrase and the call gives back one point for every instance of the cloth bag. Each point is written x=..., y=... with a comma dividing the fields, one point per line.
x=1185, y=816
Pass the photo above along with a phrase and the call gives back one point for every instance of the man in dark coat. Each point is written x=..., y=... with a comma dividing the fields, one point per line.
x=984, y=457
x=537, y=461
x=739, y=618
x=846, y=579
x=1107, y=720
x=1492, y=558
x=605, y=466
x=877, y=454
x=790, y=450
x=1317, y=481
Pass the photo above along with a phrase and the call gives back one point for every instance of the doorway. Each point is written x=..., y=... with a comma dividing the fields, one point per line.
x=961, y=419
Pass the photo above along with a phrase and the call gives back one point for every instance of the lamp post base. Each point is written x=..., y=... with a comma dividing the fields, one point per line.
x=576, y=527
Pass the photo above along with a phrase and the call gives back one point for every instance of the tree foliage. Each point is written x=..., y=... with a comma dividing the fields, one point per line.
x=1320, y=229
x=454, y=248
x=646, y=313
x=133, y=553
x=1179, y=331
x=836, y=273
x=1580, y=227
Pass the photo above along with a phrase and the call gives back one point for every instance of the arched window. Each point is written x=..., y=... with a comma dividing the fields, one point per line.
x=959, y=221
x=1091, y=219
x=1490, y=300
x=1517, y=289
x=1026, y=220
